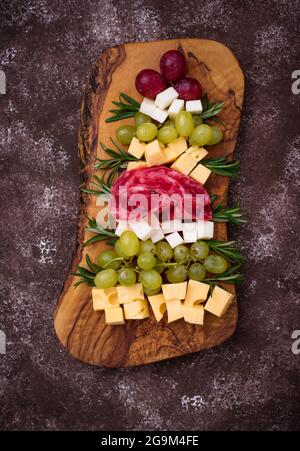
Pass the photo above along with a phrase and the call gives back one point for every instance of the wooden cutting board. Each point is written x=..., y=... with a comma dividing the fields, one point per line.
x=82, y=331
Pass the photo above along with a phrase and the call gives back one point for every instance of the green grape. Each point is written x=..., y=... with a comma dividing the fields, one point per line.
x=197, y=120
x=164, y=250
x=146, y=132
x=118, y=249
x=201, y=135
x=181, y=253
x=150, y=279
x=215, y=264
x=177, y=274
x=146, y=261
x=150, y=292
x=125, y=133
x=105, y=257
x=197, y=271
x=217, y=135
x=199, y=250
x=167, y=134
x=169, y=123
x=141, y=118
x=184, y=123
x=146, y=246
x=159, y=267
x=106, y=278
x=126, y=276
x=129, y=243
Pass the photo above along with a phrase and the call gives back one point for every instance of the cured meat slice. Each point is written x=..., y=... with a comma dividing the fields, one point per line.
x=157, y=189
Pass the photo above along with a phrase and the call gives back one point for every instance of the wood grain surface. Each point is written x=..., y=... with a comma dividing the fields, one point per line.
x=82, y=331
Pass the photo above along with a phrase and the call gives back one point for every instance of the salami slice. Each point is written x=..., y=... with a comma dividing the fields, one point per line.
x=158, y=189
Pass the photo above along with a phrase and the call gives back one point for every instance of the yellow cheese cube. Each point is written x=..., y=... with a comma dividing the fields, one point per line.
x=197, y=152
x=154, y=154
x=193, y=315
x=174, y=309
x=136, y=165
x=136, y=310
x=184, y=164
x=175, y=149
x=114, y=316
x=196, y=292
x=131, y=293
x=174, y=290
x=219, y=301
x=158, y=305
x=200, y=173
x=136, y=148
x=104, y=298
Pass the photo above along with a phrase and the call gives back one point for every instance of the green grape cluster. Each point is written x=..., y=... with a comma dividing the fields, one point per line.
x=151, y=264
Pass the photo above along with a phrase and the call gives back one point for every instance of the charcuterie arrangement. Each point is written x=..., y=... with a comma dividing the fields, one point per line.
x=163, y=258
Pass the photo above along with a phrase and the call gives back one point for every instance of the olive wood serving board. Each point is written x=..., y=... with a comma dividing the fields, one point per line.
x=82, y=331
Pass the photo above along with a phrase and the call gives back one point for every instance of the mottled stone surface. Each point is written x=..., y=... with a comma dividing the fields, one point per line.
x=253, y=381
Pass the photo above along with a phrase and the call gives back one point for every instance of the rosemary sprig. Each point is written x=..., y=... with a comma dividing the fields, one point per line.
x=126, y=107
x=101, y=187
x=86, y=275
x=210, y=109
x=226, y=249
x=232, y=275
x=228, y=214
x=101, y=234
x=222, y=167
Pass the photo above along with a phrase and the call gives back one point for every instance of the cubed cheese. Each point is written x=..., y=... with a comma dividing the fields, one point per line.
x=166, y=97
x=159, y=115
x=178, y=146
x=122, y=226
x=174, y=290
x=197, y=152
x=147, y=106
x=174, y=239
x=194, y=106
x=200, y=173
x=154, y=153
x=136, y=310
x=104, y=298
x=130, y=293
x=176, y=106
x=193, y=315
x=196, y=293
x=184, y=164
x=142, y=229
x=219, y=301
x=158, y=305
x=136, y=148
x=156, y=235
x=205, y=230
x=114, y=316
x=174, y=310
x=190, y=232
x=136, y=165
x=173, y=225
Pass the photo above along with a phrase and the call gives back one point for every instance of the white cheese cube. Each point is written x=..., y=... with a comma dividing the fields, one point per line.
x=174, y=225
x=166, y=97
x=147, y=106
x=174, y=239
x=142, y=229
x=205, y=230
x=189, y=232
x=157, y=235
x=122, y=226
x=194, y=106
x=176, y=106
x=159, y=115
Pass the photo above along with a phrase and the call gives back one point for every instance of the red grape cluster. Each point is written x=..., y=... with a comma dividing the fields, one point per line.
x=173, y=69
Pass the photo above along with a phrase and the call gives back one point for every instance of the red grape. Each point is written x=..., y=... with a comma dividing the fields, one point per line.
x=189, y=89
x=173, y=65
x=149, y=83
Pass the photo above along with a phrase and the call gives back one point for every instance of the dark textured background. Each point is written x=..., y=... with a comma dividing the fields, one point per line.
x=252, y=382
